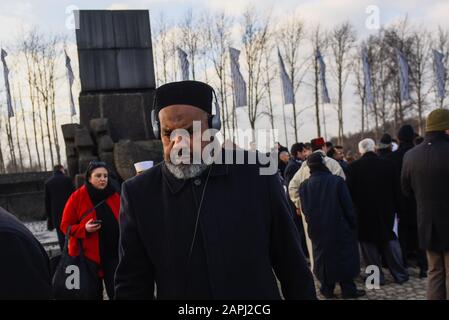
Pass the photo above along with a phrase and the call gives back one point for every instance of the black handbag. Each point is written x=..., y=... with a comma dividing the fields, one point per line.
x=76, y=278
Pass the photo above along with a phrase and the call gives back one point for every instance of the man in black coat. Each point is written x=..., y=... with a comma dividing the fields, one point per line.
x=299, y=154
x=407, y=220
x=24, y=265
x=425, y=176
x=372, y=183
x=58, y=189
x=205, y=231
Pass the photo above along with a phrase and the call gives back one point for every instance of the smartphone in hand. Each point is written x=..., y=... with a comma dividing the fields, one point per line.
x=97, y=222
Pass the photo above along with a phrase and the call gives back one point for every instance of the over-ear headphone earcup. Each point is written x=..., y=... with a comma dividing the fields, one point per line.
x=155, y=124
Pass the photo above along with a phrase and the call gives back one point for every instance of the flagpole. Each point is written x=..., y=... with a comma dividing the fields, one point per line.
x=324, y=120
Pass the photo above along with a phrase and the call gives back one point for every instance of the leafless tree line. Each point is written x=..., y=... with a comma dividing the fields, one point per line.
x=32, y=134
x=207, y=36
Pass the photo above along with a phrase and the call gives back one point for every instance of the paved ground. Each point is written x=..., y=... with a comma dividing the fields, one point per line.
x=414, y=289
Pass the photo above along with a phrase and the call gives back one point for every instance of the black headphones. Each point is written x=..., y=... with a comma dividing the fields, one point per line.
x=214, y=120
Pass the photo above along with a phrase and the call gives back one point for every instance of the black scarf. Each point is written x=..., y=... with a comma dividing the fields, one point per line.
x=98, y=195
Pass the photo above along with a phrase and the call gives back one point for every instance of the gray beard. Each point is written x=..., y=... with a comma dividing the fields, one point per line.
x=186, y=171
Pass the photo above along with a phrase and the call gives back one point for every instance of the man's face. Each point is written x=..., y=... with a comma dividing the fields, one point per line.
x=182, y=117
x=307, y=152
x=338, y=155
x=447, y=131
x=284, y=157
x=302, y=155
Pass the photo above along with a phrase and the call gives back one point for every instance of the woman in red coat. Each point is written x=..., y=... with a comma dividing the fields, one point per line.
x=98, y=230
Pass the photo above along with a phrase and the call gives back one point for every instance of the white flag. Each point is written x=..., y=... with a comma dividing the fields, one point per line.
x=182, y=56
x=367, y=77
x=71, y=78
x=287, y=86
x=237, y=79
x=403, y=75
x=440, y=73
x=324, y=92
x=8, y=92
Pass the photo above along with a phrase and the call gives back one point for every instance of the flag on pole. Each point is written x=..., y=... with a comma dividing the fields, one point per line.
x=440, y=73
x=237, y=79
x=71, y=78
x=367, y=77
x=182, y=56
x=403, y=75
x=287, y=86
x=324, y=92
x=8, y=92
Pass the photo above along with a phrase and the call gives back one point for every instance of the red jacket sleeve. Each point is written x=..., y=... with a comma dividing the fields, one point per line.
x=70, y=216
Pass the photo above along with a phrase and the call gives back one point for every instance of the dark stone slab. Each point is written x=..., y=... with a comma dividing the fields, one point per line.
x=27, y=206
x=127, y=152
x=105, y=143
x=83, y=138
x=102, y=29
x=68, y=130
x=114, y=50
x=128, y=114
x=99, y=125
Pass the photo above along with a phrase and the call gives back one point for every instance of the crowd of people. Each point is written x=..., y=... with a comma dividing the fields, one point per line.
x=220, y=231
x=391, y=201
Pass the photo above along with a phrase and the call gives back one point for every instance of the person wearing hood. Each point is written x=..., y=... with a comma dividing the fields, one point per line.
x=98, y=230
x=331, y=225
x=407, y=219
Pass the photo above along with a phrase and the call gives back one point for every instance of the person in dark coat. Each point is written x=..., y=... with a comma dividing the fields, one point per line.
x=58, y=189
x=299, y=154
x=385, y=146
x=205, y=231
x=425, y=177
x=407, y=220
x=327, y=207
x=24, y=264
x=372, y=183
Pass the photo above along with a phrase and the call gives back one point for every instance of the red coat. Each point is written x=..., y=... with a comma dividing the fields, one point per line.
x=78, y=204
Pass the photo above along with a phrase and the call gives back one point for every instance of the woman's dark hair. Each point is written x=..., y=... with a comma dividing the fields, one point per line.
x=95, y=164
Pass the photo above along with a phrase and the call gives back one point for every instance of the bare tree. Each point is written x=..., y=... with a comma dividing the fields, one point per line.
x=255, y=38
x=190, y=37
x=342, y=40
x=318, y=43
x=290, y=36
x=419, y=66
x=217, y=39
x=29, y=48
x=25, y=127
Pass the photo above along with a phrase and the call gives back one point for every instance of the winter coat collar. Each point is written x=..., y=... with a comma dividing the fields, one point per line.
x=436, y=136
x=175, y=184
x=369, y=154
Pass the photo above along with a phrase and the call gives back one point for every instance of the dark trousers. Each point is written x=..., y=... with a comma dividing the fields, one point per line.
x=391, y=250
x=408, y=238
x=109, y=266
x=348, y=288
x=299, y=226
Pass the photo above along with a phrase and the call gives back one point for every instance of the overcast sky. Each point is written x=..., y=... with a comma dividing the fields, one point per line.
x=53, y=15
